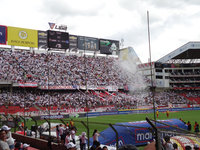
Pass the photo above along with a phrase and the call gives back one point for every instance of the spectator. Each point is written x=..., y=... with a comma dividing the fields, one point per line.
x=83, y=141
x=196, y=127
x=188, y=147
x=96, y=146
x=95, y=135
x=105, y=148
x=25, y=146
x=3, y=144
x=73, y=132
x=67, y=138
x=57, y=133
x=9, y=139
x=61, y=133
x=175, y=146
x=71, y=146
x=196, y=147
x=18, y=146
x=189, y=126
x=168, y=145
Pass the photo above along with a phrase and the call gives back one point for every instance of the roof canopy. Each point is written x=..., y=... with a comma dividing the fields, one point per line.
x=189, y=51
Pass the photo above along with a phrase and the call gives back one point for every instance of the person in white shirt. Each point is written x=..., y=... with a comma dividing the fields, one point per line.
x=3, y=143
x=73, y=132
x=9, y=139
x=67, y=138
x=168, y=145
x=83, y=141
x=95, y=135
x=61, y=133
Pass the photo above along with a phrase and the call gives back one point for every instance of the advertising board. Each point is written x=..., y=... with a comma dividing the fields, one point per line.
x=22, y=37
x=108, y=46
x=42, y=39
x=3, y=34
x=56, y=39
x=91, y=43
x=81, y=42
x=88, y=43
x=73, y=42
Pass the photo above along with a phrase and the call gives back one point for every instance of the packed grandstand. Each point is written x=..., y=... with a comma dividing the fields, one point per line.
x=51, y=81
x=32, y=73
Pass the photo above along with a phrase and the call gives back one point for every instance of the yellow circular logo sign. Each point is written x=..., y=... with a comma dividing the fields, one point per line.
x=23, y=35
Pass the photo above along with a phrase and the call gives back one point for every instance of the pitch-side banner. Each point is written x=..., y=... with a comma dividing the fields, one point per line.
x=3, y=34
x=22, y=37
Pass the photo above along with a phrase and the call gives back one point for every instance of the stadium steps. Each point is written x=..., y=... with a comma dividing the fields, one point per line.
x=192, y=99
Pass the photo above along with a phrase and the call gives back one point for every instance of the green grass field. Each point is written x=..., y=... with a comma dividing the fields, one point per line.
x=101, y=122
x=191, y=116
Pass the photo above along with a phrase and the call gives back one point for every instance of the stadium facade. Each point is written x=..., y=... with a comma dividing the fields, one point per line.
x=178, y=70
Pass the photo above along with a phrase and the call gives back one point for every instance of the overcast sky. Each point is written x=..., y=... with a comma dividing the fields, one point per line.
x=172, y=22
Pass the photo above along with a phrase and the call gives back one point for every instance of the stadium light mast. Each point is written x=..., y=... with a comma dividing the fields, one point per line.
x=47, y=59
x=152, y=88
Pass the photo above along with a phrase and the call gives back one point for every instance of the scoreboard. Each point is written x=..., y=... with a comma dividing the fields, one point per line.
x=57, y=39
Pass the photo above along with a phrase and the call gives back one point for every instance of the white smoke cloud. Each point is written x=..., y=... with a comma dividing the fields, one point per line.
x=128, y=63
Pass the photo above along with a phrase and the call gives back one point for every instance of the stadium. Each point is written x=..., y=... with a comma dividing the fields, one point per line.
x=56, y=77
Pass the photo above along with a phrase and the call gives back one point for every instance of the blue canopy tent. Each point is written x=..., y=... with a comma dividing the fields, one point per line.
x=135, y=133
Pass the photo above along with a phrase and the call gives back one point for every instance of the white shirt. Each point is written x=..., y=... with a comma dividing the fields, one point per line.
x=169, y=146
x=10, y=140
x=61, y=130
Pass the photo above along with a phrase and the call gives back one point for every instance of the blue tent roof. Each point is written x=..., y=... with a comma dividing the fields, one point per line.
x=137, y=133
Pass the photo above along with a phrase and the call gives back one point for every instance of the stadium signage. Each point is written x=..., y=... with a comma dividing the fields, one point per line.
x=57, y=87
x=73, y=41
x=59, y=27
x=108, y=46
x=140, y=132
x=91, y=43
x=22, y=37
x=27, y=84
x=3, y=34
x=42, y=39
x=88, y=43
x=110, y=88
x=96, y=87
x=56, y=39
x=52, y=117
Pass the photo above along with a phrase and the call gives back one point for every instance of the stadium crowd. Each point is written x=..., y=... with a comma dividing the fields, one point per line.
x=59, y=69
x=93, y=99
x=65, y=99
